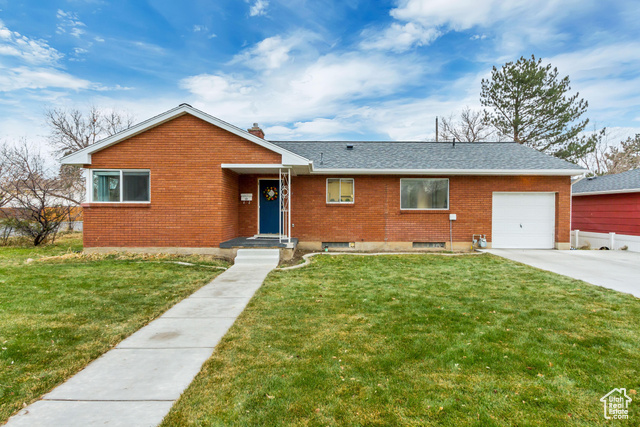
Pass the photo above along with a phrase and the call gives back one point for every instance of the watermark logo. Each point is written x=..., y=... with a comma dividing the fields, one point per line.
x=616, y=404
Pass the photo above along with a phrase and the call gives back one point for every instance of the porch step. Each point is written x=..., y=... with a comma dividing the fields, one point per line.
x=258, y=257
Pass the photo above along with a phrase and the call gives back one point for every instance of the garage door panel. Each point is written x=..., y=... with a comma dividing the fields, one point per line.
x=523, y=220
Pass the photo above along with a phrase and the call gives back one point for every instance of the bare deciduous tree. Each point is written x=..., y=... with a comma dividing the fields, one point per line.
x=624, y=157
x=609, y=158
x=72, y=129
x=39, y=200
x=596, y=161
x=469, y=127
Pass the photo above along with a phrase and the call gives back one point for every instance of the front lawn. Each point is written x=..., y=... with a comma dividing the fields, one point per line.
x=419, y=340
x=58, y=314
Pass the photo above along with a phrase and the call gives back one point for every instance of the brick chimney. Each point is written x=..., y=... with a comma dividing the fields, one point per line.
x=255, y=130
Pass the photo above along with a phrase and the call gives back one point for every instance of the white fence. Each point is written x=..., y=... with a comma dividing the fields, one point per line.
x=609, y=240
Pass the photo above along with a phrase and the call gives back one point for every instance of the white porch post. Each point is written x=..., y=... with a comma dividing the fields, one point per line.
x=285, y=205
x=281, y=212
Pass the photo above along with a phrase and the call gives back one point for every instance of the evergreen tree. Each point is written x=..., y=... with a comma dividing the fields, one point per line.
x=528, y=103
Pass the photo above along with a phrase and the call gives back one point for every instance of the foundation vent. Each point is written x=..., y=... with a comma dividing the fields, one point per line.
x=336, y=245
x=428, y=245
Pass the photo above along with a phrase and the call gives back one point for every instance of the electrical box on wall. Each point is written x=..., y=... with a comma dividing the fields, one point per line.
x=452, y=217
x=246, y=197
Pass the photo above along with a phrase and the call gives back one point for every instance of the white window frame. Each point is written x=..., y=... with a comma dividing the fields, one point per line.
x=353, y=185
x=122, y=171
x=425, y=209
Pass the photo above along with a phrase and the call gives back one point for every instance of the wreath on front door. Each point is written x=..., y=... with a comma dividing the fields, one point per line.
x=270, y=193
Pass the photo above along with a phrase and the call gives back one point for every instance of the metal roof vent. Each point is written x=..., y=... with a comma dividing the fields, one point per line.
x=349, y=147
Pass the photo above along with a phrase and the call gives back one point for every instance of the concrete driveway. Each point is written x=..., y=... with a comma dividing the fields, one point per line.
x=618, y=270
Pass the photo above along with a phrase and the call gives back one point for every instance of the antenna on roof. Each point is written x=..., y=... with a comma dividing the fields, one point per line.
x=454, y=143
x=436, y=128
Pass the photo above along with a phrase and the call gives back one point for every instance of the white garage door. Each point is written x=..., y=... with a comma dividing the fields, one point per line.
x=523, y=220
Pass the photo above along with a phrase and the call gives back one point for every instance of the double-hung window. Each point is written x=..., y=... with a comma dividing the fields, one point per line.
x=424, y=193
x=340, y=190
x=129, y=186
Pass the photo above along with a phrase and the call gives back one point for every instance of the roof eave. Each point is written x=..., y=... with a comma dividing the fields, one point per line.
x=355, y=171
x=596, y=193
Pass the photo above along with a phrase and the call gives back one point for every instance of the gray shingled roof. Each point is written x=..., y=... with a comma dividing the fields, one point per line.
x=629, y=180
x=423, y=155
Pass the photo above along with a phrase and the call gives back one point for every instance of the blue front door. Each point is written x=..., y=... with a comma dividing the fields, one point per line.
x=269, y=206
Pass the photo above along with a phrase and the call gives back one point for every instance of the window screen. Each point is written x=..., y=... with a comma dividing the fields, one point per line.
x=106, y=186
x=426, y=193
x=340, y=190
x=135, y=186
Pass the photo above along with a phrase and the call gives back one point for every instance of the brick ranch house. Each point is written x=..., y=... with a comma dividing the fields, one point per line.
x=606, y=211
x=185, y=181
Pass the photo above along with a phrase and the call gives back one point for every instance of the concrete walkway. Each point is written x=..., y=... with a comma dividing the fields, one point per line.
x=136, y=383
x=617, y=270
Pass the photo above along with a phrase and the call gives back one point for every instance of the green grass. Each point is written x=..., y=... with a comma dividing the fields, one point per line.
x=419, y=340
x=58, y=314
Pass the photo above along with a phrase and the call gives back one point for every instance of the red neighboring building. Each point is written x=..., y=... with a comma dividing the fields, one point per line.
x=608, y=204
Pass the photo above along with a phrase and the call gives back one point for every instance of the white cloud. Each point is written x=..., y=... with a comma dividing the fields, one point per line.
x=459, y=14
x=320, y=128
x=217, y=88
x=349, y=76
x=78, y=54
x=203, y=29
x=315, y=92
x=28, y=50
x=316, y=88
x=259, y=7
x=607, y=77
x=39, y=78
x=272, y=52
x=600, y=61
x=399, y=37
x=101, y=88
x=478, y=37
x=99, y=39
x=149, y=47
x=515, y=19
x=68, y=22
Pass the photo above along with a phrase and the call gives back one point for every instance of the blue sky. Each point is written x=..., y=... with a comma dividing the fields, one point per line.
x=308, y=69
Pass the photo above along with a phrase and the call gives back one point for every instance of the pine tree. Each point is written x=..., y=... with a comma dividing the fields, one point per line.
x=529, y=104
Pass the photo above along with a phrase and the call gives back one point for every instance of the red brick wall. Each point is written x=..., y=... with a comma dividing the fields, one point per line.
x=376, y=216
x=193, y=200
x=606, y=213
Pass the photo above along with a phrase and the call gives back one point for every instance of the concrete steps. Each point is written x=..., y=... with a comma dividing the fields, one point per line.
x=257, y=257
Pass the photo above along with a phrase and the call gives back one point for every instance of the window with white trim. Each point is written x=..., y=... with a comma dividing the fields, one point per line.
x=340, y=190
x=115, y=186
x=424, y=193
